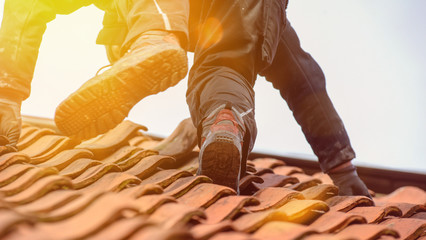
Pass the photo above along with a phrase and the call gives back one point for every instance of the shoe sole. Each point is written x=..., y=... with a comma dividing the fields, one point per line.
x=105, y=100
x=221, y=161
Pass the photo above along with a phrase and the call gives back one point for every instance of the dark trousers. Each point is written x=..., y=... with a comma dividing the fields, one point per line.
x=239, y=40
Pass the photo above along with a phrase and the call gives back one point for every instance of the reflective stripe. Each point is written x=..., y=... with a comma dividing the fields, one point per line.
x=165, y=18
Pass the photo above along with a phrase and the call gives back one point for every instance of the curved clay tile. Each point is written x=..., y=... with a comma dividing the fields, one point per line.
x=183, y=185
x=30, y=137
x=408, y=228
x=321, y=192
x=275, y=180
x=47, y=147
x=149, y=203
x=408, y=194
x=227, y=207
x=79, y=166
x=166, y=177
x=174, y=214
x=346, y=203
x=252, y=221
x=39, y=189
x=26, y=131
x=13, y=172
x=49, y=202
x=247, y=186
x=287, y=170
x=112, y=182
x=305, y=184
x=420, y=215
x=376, y=214
x=232, y=236
x=141, y=190
x=66, y=157
x=282, y=230
x=304, y=211
x=273, y=198
x=366, y=231
x=267, y=163
x=149, y=165
x=13, y=158
x=205, y=231
x=261, y=171
x=85, y=224
x=132, y=160
x=333, y=221
x=135, y=141
x=205, y=194
x=159, y=233
x=74, y=207
x=121, y=229
x=181, y=142
x=121, y=154
x=26, y=180
x=94, y=173
x=112, y=140
x=408, y=209
x=10, y=219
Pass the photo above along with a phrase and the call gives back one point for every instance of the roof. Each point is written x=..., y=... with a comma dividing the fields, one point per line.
x=128, y=185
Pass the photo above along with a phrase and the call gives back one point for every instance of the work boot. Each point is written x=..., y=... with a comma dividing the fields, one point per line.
x=221, y=147
x=153, y=63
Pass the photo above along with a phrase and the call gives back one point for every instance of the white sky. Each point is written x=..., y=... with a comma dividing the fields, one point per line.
x=373, y=54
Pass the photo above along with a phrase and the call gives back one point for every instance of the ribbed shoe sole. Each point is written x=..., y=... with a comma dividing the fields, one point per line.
x=221, y=161
x=105, y=100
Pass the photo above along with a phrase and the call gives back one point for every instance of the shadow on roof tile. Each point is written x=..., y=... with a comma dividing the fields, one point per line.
x=149, y=165
x=366, y=231
x=376, y=214
x=183, y=185
x=171, y=215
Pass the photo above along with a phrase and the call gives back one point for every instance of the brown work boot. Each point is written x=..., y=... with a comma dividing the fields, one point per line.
x=154, y=62
x=221, y=147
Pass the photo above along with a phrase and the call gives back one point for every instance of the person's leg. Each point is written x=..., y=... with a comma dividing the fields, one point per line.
x=152, y=60
x=301, y=83
x=220, y=92
x=21, y=32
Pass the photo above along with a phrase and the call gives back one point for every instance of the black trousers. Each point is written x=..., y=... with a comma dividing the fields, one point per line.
x=233, y=42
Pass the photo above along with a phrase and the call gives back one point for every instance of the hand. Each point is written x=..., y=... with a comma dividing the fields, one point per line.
x=10, y=123
x=348, y=182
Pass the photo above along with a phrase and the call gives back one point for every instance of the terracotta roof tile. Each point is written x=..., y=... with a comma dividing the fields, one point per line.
x=39, y=189
x=376, y=214
x=407, y=228
x=321, y=192
x=267, y=163
x=273, y=197
x=406, y=194
x=287, y=170
x=27, y=179
x=122, y=229
x=183, y=185
x=170, y=215
x=366, y=231
x=112, y=187
x=346, y=203
x=12, y=158
x=275, y=180
x=333, y=221
x=205, y=194
x=282, y=230
x=205, y=231
x=227, y=207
